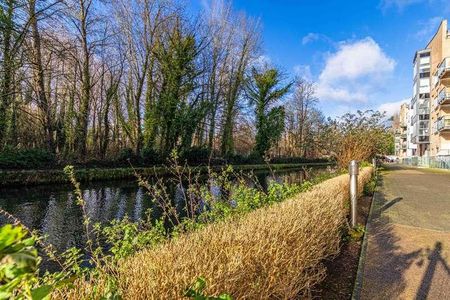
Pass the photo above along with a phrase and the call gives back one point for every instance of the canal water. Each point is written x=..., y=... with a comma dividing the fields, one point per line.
x=52, y=209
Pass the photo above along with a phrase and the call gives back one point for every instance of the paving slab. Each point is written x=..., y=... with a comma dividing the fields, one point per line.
x=407, y=250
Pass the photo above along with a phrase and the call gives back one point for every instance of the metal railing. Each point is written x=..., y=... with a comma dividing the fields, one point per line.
x=440, y=162
x=443, y=123
x=443, y=67
x=443, y=96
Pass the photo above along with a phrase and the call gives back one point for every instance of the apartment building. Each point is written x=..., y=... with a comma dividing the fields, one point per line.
x=411, y=149
x=428, y=127
x=440, y=92
x=420, y=102
x=401, y=132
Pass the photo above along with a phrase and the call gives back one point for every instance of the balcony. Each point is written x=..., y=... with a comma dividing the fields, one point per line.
x=443, y=68
x=444, y=97
x=424, y=139
x=424, y=112
x=414, y=100
x=443, y=124
x=420, y=139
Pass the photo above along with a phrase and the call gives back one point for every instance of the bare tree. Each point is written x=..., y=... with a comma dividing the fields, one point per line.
x=244, y=49
x=300, y=115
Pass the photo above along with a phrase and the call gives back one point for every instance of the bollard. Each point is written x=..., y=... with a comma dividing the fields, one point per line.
x=374, y=164
x=353, y=170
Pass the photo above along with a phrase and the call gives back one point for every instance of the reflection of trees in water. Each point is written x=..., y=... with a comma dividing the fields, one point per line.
x=139, y=205
x=62, y=222
x=282, y=177
x=53, y=211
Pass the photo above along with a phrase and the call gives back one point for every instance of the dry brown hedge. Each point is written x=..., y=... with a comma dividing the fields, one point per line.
x=274, y=252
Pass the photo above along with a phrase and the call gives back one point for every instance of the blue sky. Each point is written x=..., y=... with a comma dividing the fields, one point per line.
x=359, y=53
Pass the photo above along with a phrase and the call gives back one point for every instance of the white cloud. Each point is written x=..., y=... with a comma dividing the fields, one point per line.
x=313, y=37
x=392, y=108
x=303, y=71
x=428, y=28
x=327, y=92
x=261, y=61
x=356, y=70
x=310, y=37
x=399, y=4
x=360, y=58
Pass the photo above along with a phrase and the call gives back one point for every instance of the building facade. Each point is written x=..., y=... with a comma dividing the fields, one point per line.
x=420, y=102
x=401, y=132
x=440, y=92
x=428, y=115
x=412, y=148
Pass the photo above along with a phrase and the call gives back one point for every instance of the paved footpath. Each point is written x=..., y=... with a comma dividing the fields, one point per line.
x=406, y=254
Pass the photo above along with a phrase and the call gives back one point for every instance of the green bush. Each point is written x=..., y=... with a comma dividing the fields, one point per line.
x=238, y=159
x=196, y=291
x=298, y=160
x=150, y=156
x=11, y=158
x=195, y=155
x=19, y=262
x=255, y=158
x=127, y=155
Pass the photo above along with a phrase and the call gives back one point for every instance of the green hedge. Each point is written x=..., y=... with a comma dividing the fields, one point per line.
x=32, y=177
x=11, y=158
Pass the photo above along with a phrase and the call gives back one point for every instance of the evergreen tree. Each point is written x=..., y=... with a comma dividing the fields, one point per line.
x=263, y=90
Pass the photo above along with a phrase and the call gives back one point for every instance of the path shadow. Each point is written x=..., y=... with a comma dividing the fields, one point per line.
x=386, y=206
x=434, y=258
x=385, y=261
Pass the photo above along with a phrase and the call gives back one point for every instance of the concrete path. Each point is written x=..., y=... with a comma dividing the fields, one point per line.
x=407, y=251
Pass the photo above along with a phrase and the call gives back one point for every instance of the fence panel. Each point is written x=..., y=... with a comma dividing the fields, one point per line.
x=440, y=162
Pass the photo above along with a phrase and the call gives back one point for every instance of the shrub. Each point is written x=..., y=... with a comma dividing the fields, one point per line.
x=196, y=291
x=150, y=156
x=239, y=159
x=195, y=155
x=297, y=160
x=255, y=158
x=360, y=136
x=272, y=252
x=127, y=155
x=19, y=262
x=19, y=266
x=12, y=158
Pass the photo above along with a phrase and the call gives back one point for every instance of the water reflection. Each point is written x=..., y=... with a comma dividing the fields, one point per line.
x=53, y=211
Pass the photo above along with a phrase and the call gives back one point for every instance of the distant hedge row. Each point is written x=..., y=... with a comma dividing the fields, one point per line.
x=15, y=159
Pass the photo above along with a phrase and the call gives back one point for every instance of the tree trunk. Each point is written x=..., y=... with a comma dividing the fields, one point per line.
x=38, y=78
x=6, y=92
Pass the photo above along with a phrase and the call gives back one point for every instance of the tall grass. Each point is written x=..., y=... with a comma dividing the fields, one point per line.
x=273, y=252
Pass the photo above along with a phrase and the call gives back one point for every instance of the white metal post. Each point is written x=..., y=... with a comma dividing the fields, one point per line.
x=353, y=170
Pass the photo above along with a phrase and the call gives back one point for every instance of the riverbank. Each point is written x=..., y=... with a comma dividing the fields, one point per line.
x=276, y=251
x=52, y=176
